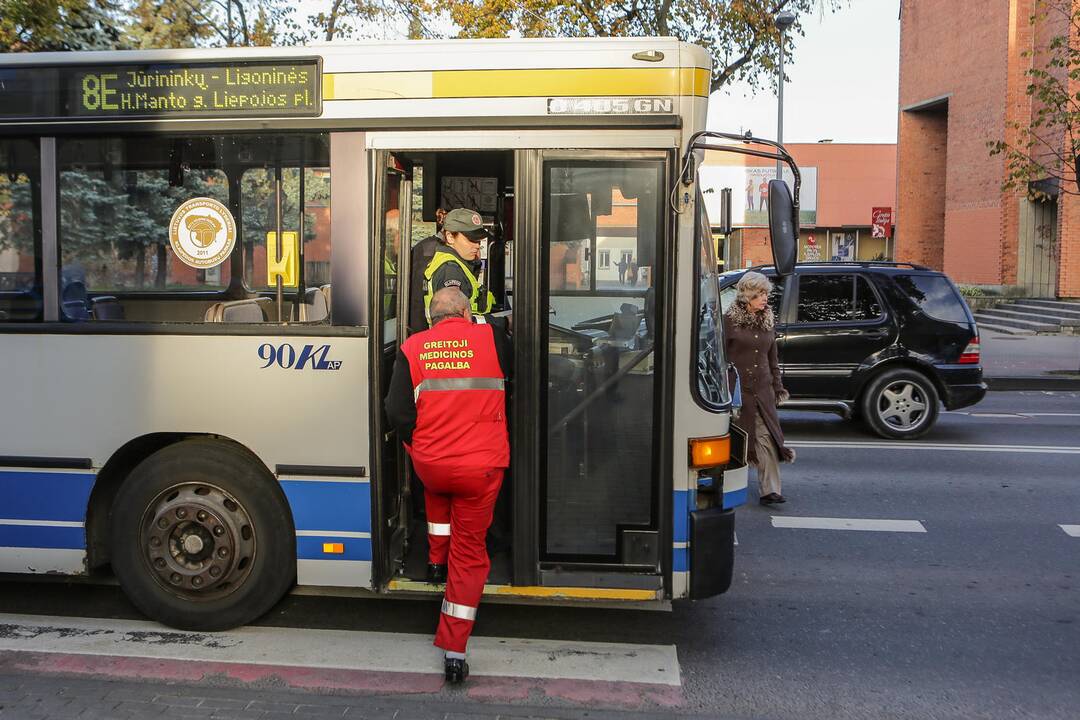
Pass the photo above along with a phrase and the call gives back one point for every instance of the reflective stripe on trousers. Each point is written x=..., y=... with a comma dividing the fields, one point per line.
x=440, y=529
x=461, y=612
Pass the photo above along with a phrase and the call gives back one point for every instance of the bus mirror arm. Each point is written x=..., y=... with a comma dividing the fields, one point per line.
x=785, y=233
x=598, y=392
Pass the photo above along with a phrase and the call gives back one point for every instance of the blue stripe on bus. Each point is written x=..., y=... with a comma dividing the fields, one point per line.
x=311, y=548
x=735, y=498
x=680, y=560
x=43, y=536
x=344, y=506
x=35, y=495
x=681, y=516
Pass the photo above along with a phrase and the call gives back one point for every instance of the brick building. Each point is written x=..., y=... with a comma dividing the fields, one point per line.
x=841, y=185
x=963, y=66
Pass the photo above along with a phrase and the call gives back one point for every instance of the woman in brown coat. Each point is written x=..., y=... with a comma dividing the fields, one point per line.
x=750, y=342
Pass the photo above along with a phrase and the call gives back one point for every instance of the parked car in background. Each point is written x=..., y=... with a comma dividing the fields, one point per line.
x=889, y=343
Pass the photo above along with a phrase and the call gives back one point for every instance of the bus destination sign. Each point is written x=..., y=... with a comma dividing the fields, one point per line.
x=161, y=90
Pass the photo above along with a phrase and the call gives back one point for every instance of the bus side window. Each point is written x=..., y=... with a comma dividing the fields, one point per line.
x=20, y=232
x=174, y=229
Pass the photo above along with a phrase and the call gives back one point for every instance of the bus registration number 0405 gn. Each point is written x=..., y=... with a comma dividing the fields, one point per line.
x=611, y=106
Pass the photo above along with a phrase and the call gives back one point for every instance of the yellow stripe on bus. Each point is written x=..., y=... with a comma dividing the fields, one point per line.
x=569, y=593
x=570, y=82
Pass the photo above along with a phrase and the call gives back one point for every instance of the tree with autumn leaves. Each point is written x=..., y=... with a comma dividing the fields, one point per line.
x=739, y=34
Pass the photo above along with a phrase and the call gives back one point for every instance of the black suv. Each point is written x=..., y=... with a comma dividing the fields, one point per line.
x=886, y=342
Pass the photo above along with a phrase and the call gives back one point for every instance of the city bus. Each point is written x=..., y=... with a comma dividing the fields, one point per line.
x=204, y=277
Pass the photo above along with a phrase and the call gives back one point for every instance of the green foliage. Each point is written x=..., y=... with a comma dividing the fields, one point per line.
x=41, y=25
x=739, y=34
x=38, y=25
x=971, y=291
x=1047, y=148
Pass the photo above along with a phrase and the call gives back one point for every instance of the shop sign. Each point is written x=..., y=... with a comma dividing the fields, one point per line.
x=881, y=222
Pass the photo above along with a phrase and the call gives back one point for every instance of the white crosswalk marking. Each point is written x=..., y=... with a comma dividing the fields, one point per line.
x=1071, y=530
x=822, y=523
x=341, y=649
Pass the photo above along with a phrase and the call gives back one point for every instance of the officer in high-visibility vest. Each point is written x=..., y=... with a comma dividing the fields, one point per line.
x=447, y=400
x=457, y=263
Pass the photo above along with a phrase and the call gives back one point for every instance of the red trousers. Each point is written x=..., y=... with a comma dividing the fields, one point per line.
x=464, y=499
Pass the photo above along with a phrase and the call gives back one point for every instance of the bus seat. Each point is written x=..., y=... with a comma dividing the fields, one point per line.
x=243, y=311
x=213, y=313
x=106, y=307
x=74, y=310
x=315, y=305
x=74, y=301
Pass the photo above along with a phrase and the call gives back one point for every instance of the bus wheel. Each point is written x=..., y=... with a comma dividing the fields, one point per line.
x=202, y=538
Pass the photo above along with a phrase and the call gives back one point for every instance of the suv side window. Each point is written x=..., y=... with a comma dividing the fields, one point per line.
x=867, y=306
x=826, y=298
x=934, y=295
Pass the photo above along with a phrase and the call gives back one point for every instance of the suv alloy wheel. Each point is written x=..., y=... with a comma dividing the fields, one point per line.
x=900, y=403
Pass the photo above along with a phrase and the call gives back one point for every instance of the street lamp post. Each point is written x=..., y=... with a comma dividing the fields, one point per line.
x=783, y=21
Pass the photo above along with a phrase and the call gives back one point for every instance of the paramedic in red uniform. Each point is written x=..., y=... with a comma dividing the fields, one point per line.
x=447, y=401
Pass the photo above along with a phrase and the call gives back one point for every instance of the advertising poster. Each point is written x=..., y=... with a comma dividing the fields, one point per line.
x=750, y=193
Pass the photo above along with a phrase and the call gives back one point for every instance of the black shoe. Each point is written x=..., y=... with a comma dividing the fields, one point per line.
x=436, y=573
x=772, y=499
x=456, y=671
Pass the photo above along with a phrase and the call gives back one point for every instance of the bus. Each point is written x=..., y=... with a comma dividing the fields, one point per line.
x=204, y=277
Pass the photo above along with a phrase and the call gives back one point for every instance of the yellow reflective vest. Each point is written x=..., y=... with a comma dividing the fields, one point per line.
x=480, y=298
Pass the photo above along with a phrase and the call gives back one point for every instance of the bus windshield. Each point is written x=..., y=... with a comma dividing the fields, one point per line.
x=712, y=386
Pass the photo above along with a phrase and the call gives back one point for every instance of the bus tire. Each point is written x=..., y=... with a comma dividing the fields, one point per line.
x=202, y=537
x=901, y=404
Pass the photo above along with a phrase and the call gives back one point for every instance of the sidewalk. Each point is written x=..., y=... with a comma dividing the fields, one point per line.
x=54, y=697
x=1030, y=362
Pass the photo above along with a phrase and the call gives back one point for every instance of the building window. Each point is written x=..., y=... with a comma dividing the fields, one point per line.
x=603, y=259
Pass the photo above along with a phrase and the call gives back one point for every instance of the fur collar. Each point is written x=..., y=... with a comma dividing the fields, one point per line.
x=742, y=317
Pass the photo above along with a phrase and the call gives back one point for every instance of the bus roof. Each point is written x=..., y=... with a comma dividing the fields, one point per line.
x=585, y=81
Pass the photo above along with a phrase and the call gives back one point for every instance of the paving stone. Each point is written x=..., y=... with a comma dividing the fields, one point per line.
x=224, y=703
x=321, y=711
x=178, y=700
x=273, y=707
x=237, y=714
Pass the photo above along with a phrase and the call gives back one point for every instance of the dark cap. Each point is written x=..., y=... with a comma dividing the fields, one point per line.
x=464, y=220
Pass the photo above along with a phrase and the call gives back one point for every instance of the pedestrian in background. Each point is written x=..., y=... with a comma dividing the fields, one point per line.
x=750, y=343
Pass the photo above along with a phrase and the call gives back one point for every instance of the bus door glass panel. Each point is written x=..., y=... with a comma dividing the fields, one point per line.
x=20, y=231
x=393, y=485
x=601, y=231
x=838, y=323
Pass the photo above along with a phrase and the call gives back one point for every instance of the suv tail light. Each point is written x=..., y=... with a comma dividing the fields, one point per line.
x=970, y=356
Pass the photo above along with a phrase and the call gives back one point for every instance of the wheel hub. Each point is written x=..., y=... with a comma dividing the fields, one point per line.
x=198, y=541
x=902, y=405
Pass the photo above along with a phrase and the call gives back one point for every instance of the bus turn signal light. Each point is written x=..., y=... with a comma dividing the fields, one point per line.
x=333, y=548
x=710, y=452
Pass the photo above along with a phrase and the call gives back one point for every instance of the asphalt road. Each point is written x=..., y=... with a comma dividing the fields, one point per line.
x=975, y=616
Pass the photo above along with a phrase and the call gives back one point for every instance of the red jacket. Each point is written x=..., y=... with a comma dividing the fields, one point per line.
x=459, y=389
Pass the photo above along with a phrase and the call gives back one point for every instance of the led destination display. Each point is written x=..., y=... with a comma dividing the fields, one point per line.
x=262, y=88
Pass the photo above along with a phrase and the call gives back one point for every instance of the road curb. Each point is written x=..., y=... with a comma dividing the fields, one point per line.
x=1039, y=382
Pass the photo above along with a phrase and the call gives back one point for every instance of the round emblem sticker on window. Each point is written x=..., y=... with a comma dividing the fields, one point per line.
x=202, y=232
